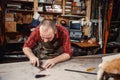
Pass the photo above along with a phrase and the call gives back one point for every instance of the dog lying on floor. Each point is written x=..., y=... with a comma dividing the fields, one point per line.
x=110, y=65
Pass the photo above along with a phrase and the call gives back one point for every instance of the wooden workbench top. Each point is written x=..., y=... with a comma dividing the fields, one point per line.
x=85, y=44
x=25, y=71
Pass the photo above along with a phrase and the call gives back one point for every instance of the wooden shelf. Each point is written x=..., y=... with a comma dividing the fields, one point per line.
x=85, y=44
x=72, y=16
x=14, y=42
x=20, y=10
x=49, y=12
x=10, y=53
x=78, y=14
x=115, y=21
x=21, y=1
x=45, y=3
x=17, y=1
x=16, y=33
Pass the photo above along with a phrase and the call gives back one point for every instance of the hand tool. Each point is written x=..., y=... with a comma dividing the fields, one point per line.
x=40, y=67
x=80, y=71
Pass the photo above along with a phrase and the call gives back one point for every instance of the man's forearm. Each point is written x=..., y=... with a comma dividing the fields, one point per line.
x=28, y=52
x=62, y=57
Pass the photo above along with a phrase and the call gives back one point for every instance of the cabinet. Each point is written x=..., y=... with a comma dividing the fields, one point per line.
x=74, y=8
x=18, y=17
x=19, y=13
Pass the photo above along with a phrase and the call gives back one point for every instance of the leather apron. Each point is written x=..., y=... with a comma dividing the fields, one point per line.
x=44, y=49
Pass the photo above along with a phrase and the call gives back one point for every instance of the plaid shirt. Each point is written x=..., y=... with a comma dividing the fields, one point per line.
x=62, y=35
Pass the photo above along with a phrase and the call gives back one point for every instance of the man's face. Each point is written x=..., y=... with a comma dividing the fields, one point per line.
x=46, y=33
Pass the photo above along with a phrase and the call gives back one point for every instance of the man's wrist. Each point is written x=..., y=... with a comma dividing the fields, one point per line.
x=54, y=60
x=31, y=56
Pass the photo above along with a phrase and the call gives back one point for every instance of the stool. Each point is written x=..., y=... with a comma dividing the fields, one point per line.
x=107, y=76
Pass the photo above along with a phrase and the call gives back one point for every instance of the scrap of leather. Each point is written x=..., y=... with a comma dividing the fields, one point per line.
x=40, y=66
x=90, y=69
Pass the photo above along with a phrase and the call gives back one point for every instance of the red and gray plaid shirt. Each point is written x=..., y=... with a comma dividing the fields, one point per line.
x=62, y=34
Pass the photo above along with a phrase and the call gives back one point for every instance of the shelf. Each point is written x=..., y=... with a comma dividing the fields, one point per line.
x=85, y=44
x=16, y=1
x=16, y=33
x=20, y=10
x=78, y=14
x=11, y=53
x=45, y=3
x=49, y=12
x=14, y=42
x=72, y=16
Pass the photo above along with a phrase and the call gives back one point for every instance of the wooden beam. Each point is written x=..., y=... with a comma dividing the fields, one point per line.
x=88, y=10
x=35, y=6
x=63, y=4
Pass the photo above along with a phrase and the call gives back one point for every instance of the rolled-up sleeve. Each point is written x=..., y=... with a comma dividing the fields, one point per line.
x=32, y=39
x=67, y=48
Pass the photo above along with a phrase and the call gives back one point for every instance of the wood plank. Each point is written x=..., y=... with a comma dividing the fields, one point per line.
x=35, y=6
x=85, y=44
x=88, y=10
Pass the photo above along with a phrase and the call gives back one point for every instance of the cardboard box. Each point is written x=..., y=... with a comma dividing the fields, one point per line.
x=9, y=17
x=57, y=2
x=27, y=18
x=10, y=26
x=76, y=10
x=49, y=1
x=0, y=31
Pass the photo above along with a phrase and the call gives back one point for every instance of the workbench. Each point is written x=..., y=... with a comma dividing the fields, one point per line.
x=88, y=47
x=25, y=71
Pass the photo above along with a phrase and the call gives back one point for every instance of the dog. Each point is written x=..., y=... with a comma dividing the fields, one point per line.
x=110, y=65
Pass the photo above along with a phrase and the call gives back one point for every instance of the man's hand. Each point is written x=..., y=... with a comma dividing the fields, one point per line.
x=34, y=61
x=49, y=63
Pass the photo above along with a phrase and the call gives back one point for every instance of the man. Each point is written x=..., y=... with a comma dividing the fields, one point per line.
x=47, y=32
